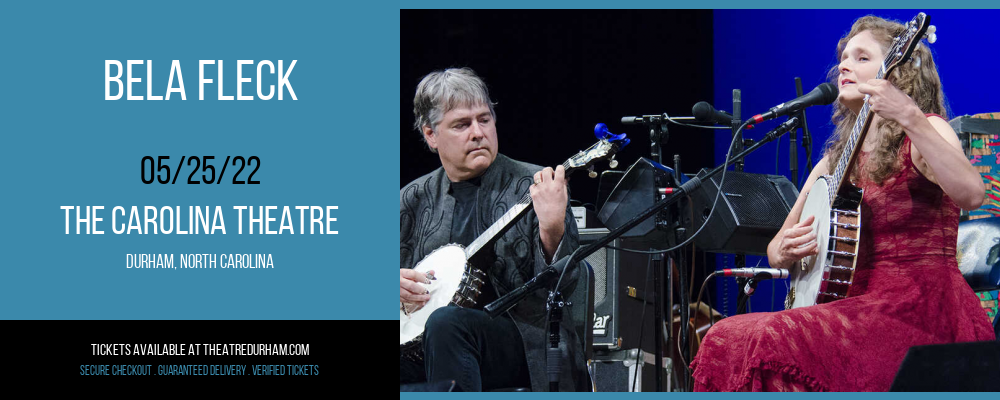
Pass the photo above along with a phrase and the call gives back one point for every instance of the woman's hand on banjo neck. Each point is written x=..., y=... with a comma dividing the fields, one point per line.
x=935, y=148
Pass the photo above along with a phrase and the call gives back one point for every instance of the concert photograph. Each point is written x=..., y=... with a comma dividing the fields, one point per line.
x=699, y=200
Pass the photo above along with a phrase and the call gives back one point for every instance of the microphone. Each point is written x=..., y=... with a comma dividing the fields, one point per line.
x=704, y=112
x=823, y=94
x=643, y=119
x=756, y=273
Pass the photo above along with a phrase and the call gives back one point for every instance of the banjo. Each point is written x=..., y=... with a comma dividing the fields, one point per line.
x=457, y=281
x=836, y=203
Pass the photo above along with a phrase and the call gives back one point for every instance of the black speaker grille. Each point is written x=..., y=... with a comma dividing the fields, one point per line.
x=752, y=198
x=598, y=261
x=752, y=212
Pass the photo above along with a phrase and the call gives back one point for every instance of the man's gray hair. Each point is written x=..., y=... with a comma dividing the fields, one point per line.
x=442, y=91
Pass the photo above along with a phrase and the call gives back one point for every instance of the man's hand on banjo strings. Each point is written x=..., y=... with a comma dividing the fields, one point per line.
x=413, y=295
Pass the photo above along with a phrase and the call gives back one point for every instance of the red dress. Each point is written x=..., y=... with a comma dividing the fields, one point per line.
x=908, y=291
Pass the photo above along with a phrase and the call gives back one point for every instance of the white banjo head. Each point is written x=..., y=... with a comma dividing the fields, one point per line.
x=448, y=264
x=807, y=274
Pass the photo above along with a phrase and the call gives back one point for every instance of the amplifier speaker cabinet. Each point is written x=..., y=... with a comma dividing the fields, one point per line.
x=620, y=290
x=749, y=213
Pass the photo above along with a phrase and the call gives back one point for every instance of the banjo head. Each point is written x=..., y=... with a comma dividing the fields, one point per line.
x=449, y=266
x=807, y=274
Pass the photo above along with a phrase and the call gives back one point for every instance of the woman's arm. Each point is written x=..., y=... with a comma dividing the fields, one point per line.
x=935, y=149
x=937, y=153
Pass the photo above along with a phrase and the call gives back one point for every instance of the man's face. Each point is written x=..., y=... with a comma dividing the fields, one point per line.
x=466, y=141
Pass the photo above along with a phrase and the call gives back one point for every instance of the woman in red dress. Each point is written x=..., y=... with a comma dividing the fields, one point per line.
x=907, y=289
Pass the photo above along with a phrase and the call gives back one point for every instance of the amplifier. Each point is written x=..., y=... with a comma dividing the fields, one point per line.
x=620, y=291
x=749, y=213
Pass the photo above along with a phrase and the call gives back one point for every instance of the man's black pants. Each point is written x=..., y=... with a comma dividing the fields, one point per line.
x=466, y=346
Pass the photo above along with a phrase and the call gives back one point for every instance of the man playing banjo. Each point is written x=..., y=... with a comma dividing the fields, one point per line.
x=455, y=204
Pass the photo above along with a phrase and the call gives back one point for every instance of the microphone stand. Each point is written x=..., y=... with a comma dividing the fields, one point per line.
x=548, y=276
x=658, y=133
x=735, y=125
x=553, y=356
x=739, y=260
x=806, y=143
x=793, y=152
x=748, y=290
x=806, y=140
x=683, y=334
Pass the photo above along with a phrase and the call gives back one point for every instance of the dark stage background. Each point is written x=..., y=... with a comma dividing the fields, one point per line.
x=557, y=73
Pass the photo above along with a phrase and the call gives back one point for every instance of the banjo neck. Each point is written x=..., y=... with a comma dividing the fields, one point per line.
x=501, y=226
x=850, y=154
x=605, y=148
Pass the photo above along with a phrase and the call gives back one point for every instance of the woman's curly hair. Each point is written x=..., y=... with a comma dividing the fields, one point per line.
x=918, y=78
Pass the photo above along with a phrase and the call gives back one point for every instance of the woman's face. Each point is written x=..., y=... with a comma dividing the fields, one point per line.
x=860, y=61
